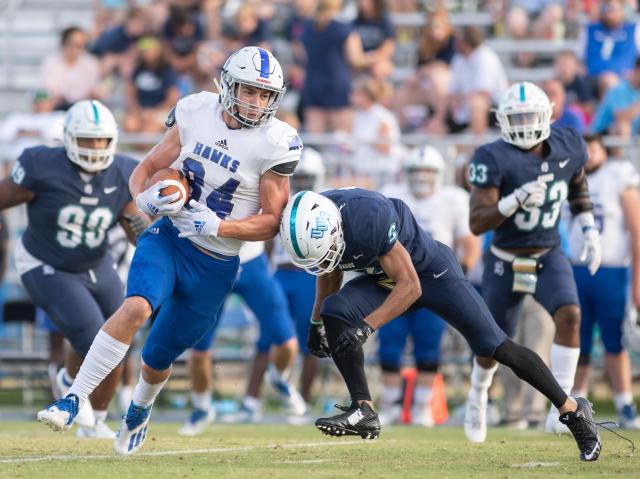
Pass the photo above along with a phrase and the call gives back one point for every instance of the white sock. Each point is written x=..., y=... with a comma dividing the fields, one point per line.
x=201, y=401
x=423, y=394
x=622, y=399
x=124, y=397
x=577, y=393
x=101, y=416
x=145, y=394
x=252, y=403
x=103, y=357
x=391, y=394
x=481, y=379
x=66, y=379
x=564, y=362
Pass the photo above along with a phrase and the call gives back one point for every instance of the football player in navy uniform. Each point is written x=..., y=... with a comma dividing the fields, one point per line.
x=75, y=194
x=358, y=230
x=518, y=185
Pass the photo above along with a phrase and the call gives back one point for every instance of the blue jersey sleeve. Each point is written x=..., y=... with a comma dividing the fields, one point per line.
x=25, y=172
x=484, y=170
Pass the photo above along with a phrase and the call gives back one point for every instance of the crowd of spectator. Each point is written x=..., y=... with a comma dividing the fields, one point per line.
x=341, y=62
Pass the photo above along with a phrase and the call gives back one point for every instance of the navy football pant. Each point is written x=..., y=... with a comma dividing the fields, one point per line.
x=445, y=291
x=77, y=303
x=555, y=287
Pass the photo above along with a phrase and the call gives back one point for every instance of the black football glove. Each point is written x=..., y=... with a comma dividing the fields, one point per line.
x=317, y=341
x=353, y=338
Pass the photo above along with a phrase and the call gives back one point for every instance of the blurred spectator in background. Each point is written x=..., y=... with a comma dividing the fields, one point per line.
x=20, y=130
x=562, y=115
x=613, y=187
x=534, y=19
x=422, y=92
x=377, y=151
x=332, y=49
x=477, y=81
x=182, y=33
x=73, y=74
x=151, y=90
x=377, y=35
x=107, y=14
x=619, y=111
x=248, y=29
x=580, y=89
x=610, y=45
x=114, y=45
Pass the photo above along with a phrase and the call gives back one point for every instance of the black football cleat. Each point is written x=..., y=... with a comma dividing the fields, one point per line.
x=354, y=421
x=584, y=429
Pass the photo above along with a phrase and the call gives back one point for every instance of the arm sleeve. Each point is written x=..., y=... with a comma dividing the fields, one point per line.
x=484, y=170
x=385, y=227
x=24, y=172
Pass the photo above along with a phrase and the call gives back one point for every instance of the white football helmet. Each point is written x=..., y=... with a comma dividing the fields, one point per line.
x=311, y=232
x=524, y=115
x=90, y=119
x=256, y=67
x=310, y=172
x=424, y=168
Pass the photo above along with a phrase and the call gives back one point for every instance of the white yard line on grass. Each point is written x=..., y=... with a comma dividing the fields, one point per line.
x=88, y=457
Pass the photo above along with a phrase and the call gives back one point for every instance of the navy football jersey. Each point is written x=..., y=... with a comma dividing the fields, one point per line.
x=372, y=224
x=502, y=165
x=69, y=217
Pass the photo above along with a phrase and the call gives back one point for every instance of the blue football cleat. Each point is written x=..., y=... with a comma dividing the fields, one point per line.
x=133, y=430
x=61, y=414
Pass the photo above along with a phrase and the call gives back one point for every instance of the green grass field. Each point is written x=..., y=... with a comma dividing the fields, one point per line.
x=29, y=450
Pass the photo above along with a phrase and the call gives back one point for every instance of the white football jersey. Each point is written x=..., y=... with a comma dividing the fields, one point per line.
x=444, y=214
x=605, y=186
x=251, y=250
x=224, y=166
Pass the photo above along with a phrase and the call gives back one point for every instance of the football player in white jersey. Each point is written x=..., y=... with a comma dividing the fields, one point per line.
x=603, y=297
x=237, y=158
x=441, y=211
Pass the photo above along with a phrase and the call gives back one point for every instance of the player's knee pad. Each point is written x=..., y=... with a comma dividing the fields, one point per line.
x=391, y=368
x=427, y=366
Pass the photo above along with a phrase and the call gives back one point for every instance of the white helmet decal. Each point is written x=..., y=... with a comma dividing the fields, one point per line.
x=524, y=115
x=256, y=67
x=311, y=232
x=90, y=119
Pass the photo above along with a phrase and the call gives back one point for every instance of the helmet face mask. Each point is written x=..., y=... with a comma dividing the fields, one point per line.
x=423, y=182
x=311, y=233
x=524, y=115
x=251, y=68
x=90, y=119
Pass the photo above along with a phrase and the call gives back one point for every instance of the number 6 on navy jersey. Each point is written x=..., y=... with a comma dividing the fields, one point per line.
x=219, y=200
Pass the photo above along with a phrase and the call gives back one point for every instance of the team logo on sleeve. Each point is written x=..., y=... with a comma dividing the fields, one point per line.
x=295, y=143
x=392, y=234
x=321, y=226
x=17, y=173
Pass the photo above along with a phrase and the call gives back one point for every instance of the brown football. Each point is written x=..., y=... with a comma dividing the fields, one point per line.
x=171, y=174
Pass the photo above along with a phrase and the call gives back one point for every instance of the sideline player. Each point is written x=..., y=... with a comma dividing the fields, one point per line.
x=441, y=211
x=75, y=194
x=264, y=296
x=518, y=185
x=359, y=230
x=603, y=297
x=237, y=158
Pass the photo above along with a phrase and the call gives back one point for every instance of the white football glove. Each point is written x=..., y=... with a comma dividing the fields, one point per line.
x=530, y=195
x=152, y=203
x=591, y=248
x=198, y=221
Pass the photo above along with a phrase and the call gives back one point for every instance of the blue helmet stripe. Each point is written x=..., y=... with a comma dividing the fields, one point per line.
x=96, y=116
x=264, y=63
x=292, y=225
x=522, y=92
